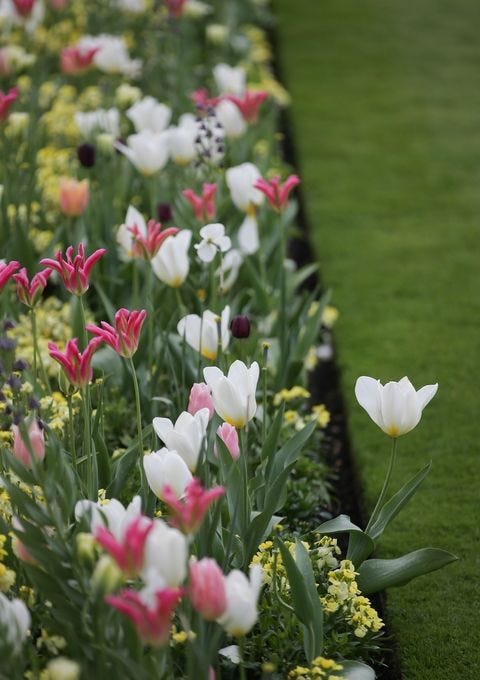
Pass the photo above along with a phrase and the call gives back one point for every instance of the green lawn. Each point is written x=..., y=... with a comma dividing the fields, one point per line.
x=386, y=113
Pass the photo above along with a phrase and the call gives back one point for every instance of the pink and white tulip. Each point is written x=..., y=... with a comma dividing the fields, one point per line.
x=124, y=338
x=74, y=271
x=76, y=365
x=203, y=205
x=188, y=514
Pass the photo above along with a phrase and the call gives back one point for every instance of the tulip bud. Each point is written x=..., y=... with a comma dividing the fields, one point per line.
x=164, y=212
x=85, y=546
x=207, y=588
x=200, y=397
x=34, y=446
x=62, y=669
x=18, y=547
x=86, y=154
x=74, y=196
x=240, y=326
x=107, y=576
x=229, y=436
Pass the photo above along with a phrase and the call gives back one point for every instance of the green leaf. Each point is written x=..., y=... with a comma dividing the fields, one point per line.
x=375, y=575
x=360, y=545
x=304, y=564
x=289, y=452
x=356, y=670
x=300, y=597
x=397, y=502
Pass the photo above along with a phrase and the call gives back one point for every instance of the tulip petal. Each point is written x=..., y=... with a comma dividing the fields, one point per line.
x=367, y=392
x=425, y=394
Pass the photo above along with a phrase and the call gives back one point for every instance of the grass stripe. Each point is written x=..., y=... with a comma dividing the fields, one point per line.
x=386, y=114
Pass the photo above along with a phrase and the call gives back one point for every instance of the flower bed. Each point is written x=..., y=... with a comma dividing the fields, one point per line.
x=160, y=452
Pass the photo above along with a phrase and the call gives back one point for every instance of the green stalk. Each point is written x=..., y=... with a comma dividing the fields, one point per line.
x=385, y=486
x=73, y=447
x=37, y=357
x=145, y=488
x=283, y=306
x=92, y=473
x=264, y=392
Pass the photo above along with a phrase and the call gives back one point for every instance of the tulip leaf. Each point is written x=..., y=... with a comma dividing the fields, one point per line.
x=356, y=670
x=263, y=299
x=360, y=544
x=375, y=575
x=397, y=502
x=289, y=452
x=258, y=527
x=300, y=596
x=315, y=639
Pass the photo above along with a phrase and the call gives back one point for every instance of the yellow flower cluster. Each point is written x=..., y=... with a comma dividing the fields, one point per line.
x=52, y=163
x=54, y=410
x=271, y=562
x=343, y=595
x=320, y=668
x=52, y=643
x=53, y=325
x=296, y=392
x=329, y=316
x=7, y=576
x=326, y=549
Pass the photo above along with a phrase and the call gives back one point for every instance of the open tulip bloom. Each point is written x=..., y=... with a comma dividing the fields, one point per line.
x=395, y=407
x=201, y=333
x=234, y=394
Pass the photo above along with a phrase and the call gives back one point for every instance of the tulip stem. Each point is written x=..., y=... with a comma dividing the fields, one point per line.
x=73, y=448
x=36, y=354
x=385, y=486
x=91, y=460
x=139, y=430
x=283, y=306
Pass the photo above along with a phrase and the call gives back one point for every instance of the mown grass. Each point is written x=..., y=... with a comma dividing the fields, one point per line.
x=386, y=111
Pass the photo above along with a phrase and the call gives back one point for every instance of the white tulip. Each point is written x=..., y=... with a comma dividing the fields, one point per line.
x=165, y=555
x=213, y=240
x=242, y=595
x=196, y=9
x=112, y=56
x=395, y=407
x=14, y=621
x=171, y=264
x=134, y=6
x=186, y=436
x=201, y=332
x=248, y=239
x=240, y=181
x=231, y=118
x=183, y=148
x=148, y=151
x=124, y=236
x=166, y=467
x=100, y=120
x=110, y=514
x=234, y=395
x=149, y=114
x=230, y=79
x=229, y=268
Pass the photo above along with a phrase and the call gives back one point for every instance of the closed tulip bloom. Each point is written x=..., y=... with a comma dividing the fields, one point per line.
x=147, y=151
x=165, y=555
x=171, y=264
x=186, y=436
x=36, y=442
x=230, y=79
x=231, y=118
x=395, y=407
x=201, y=332
x=240, y=326
x=241, y=180
x=234, y=394
x=29, y=292
x=74, y=196
x=207, y=588
x=166, y=467
x=128, y=550
x=86, y=154
x=242, y=595
x=76, y=59
x=203, y=205
x=6, y=101
x=149, y=114
x=200, y=397
x=229, y=436
x=149, y=610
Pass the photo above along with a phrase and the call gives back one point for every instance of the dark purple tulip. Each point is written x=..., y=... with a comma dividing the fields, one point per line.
x=240, y=326
x=86, y=154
